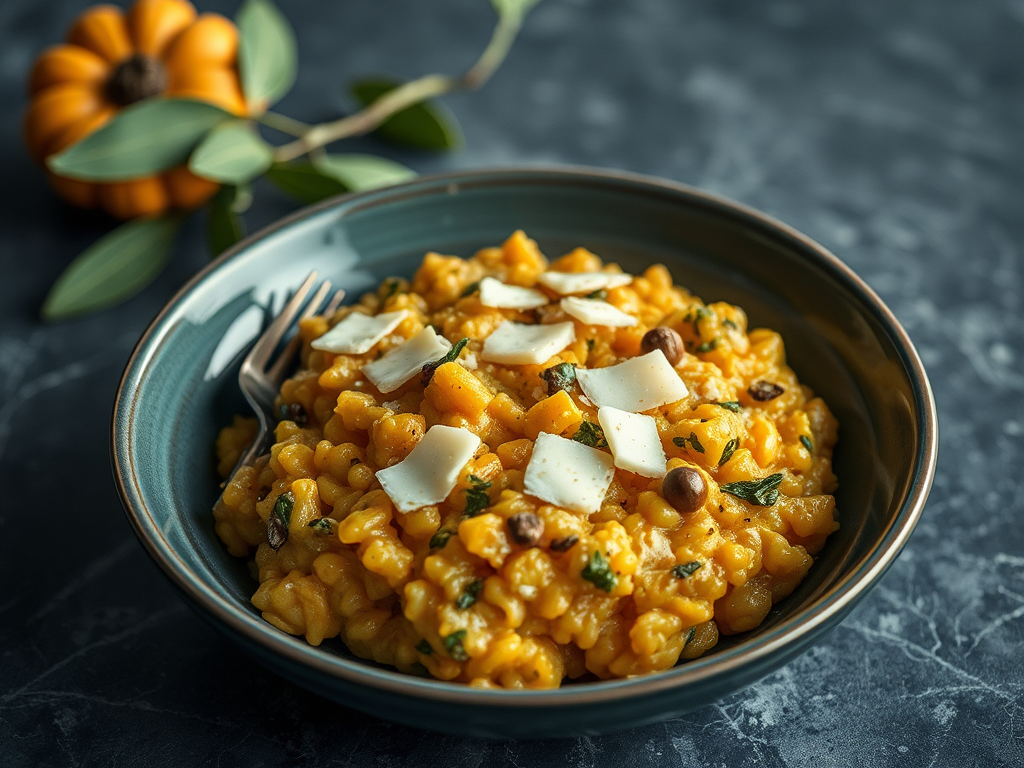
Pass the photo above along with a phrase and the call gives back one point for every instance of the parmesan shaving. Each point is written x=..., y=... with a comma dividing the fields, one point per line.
x=429, y=473
x=634, y=441
x=568, y=474
x=569, y=283
x=596, y=312
x=494, y=293
x=357, y=333
x=520, y=344
x=405, y=361
x=638, y=384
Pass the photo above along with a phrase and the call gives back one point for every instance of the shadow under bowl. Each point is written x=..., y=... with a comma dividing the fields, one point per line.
x=180, y=388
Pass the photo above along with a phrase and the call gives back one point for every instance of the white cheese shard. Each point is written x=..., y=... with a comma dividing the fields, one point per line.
x=596, y=312
x=638, y=384
x=405, y=361
x=521, y=344
x=494, y=293
x=569, y=283
x=568, y=474
x=357, y=333
x=429, y=473
x=634, y=441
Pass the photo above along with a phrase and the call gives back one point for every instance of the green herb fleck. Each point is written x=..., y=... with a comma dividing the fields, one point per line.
x=477, y=499
x=764, y=492
x=560, y=377
x=686, y=569
x=424, y=647
x=469, y=594
x=280, y=517
x=692, y=633
x=680, y=442
x=471, y=289
x=324, y=525
x=699, y=315
x=590, y=345
x=729, y=324
x=599, y=573
x=591, y=434
x=392, y=289
x=427, y=371
x=600, y=293
x=731, y=405
x=439, y=539
x=707, y=346
x=807, y=444
x=453, y=644
x=728, y=451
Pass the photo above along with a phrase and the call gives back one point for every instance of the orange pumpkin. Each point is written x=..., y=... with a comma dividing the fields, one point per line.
x=113, y=59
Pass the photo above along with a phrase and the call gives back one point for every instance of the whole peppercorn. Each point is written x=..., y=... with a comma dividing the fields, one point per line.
x=684, y=488
x=525, y=528
x=665, y=339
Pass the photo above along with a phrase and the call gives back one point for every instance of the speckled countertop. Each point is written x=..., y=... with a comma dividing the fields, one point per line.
x=892, y=132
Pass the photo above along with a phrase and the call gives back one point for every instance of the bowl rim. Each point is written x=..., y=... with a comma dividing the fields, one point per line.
x=829, y=606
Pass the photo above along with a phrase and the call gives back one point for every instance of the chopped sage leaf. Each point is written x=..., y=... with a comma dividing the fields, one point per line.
x=764, y=492
x=392, y=288
x=599, y=573
x=699, y=315
x=692, y=633
x=470, y=289
x=731, y=405
x=453, y=644
x=807, y=444
x=427, y=372
x=729, y=450
x=591, y=434
x=590, y=345
x=324, y=525
x=707, y=346
x=729, y=324
x=439, y=539
x=686, y=569
x=280, y=517
x=424, y=647
x=600, y=293
x=469, y=594
x=477, y=499
x=559, y=377
x=680, y=442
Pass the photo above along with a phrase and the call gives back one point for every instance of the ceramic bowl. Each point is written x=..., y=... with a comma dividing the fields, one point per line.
x=180, y=388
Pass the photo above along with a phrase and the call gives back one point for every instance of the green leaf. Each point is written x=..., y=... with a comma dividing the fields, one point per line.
x=232, y=153
x=304, y=182
x=143, y=139
x=453, y=644
x=763, y=492
x=427, y=371
x=685, y=570
x=591, y=434
x=469, y=594
x=358, y=172
x=599, y=573
x=267, y=57
x=224, y=227
x=516, y=9
x=427, y=125
x=114, y=268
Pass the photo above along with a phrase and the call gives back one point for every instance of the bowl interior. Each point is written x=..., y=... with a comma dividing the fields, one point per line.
x=182, y=385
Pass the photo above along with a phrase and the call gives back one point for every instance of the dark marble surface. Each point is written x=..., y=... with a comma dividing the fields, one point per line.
x=890, y=131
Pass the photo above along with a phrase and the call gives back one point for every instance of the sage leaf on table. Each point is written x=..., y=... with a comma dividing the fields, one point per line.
x=427, y=125
x=232, y=153
x=304, y=182
x=224, y=227
x=359, y=172
x=143, y=139
x=267, y=58
x=115, y=267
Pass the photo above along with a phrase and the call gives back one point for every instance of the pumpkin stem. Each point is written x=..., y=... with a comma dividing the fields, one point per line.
x=136, y=78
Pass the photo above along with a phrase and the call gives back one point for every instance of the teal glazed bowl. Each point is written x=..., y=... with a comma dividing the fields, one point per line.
x=180, y=388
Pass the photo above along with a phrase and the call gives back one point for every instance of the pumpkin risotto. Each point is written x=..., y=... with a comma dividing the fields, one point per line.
x=510, y=472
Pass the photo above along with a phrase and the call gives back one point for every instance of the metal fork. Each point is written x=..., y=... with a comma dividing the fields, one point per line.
x=261, y=374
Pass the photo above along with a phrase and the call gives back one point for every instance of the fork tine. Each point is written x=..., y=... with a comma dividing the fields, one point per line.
x=276, y=371
x=265, y=345
x=335, y=302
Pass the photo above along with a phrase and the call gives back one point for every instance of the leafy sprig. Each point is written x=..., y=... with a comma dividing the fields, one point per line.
x=158, y=134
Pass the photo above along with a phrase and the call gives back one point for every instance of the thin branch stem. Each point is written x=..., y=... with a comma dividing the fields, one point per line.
x=284, y=124
x=405, y=96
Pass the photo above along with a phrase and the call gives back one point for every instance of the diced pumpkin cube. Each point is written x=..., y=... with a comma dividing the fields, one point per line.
x=453, y=388
x=553, y=414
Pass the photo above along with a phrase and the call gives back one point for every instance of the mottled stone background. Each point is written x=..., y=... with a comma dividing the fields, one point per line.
x=889, y=130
